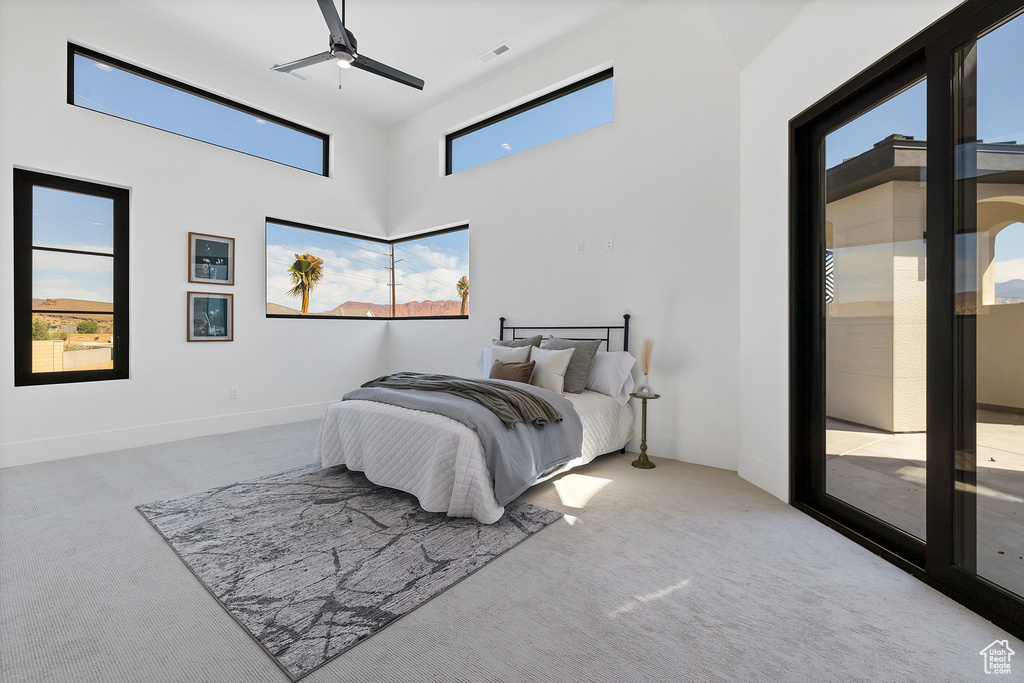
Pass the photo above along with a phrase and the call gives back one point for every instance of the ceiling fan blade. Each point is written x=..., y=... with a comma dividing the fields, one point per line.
x=334, y=23
x=366, y=64
x=299, y=63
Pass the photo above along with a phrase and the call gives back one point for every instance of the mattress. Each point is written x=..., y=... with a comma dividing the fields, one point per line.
x=441, y=461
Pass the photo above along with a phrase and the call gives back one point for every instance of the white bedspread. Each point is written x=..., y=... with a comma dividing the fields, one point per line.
x=440, y=460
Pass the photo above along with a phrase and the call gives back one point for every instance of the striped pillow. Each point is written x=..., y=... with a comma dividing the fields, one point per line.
x=579, y=364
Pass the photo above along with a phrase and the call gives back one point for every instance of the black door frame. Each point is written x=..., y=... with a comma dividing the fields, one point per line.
x=945, y=561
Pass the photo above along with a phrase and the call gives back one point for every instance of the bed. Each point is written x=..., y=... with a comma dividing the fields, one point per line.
x=443, y=462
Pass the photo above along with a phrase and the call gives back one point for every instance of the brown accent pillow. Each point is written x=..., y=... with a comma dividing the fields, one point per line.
x=514, y=372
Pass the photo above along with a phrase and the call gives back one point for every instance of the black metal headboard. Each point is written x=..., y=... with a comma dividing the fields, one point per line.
x=513, y=329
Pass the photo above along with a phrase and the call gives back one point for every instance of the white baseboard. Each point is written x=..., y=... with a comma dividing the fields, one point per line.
x=765, y=475
x=62, y=447
x=722, y=456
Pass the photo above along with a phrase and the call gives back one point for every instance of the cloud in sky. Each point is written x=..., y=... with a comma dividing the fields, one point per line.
x=348, y=278
x=1012, y=269
x=429, y=270
x=1009, y=253
x=359, y=270
x=72, y=276
x=345, y=279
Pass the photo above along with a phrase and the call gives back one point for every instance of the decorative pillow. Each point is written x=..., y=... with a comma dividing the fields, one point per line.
x=550, y=371
x=514, y=372
x=612, y=373
x=515, y=343
x=503, y=353
x=579, y=366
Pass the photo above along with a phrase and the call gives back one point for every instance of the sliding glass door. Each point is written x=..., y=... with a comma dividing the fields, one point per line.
x=907, y=308
x=874, y=319
x=990, y=306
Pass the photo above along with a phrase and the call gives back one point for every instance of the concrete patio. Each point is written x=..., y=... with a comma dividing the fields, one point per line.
x=884, y=475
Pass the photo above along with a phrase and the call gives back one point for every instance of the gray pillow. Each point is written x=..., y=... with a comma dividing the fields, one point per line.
x=579, y=364
x=515, y=343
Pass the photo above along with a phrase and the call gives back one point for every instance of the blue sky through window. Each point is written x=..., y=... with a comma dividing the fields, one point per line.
x=354, y=269
x=70, y=220
x=358, y=271
x=108, y=89
x=905, y=114
x=574, y=113
x=1000, y=102
x=1009, y=253
x=430, y=267
x=1001, y=84
x=1000, y=118
x=72, y=276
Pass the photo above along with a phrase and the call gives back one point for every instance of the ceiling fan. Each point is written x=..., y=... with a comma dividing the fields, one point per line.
x=343, y=49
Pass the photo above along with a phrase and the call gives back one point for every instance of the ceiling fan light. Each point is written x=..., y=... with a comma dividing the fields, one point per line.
x=344, y=60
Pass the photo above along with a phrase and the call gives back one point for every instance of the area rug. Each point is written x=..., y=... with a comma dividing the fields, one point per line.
x=312, y=561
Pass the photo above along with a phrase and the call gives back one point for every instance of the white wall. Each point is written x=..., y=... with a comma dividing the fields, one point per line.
x=828, y=43
x=661, y=180
x=285, y=369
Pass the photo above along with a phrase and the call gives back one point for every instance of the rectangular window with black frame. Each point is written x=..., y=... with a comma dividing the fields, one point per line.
x=71, y=280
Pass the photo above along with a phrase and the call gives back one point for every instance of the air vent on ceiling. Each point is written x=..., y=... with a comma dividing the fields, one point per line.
x=493, y=52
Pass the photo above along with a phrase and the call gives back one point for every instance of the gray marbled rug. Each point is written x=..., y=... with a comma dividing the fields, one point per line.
x=311, y=561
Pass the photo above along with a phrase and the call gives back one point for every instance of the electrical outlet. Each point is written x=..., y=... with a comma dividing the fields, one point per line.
x=579, y=247
x=609, y=243
x=234, y=392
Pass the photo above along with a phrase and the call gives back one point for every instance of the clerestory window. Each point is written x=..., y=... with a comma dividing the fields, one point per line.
x=114, y=87
x=572, y=109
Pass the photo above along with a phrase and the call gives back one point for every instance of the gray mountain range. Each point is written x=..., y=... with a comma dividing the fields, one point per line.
x=1011, y=289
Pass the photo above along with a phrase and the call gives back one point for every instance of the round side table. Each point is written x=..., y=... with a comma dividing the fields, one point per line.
x=643, y=462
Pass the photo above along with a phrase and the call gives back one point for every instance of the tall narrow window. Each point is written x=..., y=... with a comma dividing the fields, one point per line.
x=111, y=86
x=875, y=279
x=573, y=109
x=71, y=280
x=989, y=256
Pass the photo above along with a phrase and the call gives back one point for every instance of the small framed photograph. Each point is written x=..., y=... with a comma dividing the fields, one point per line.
x=210, y=317
x=211, y=259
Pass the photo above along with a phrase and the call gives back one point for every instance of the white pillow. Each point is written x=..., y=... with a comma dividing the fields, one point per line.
x=612, y=373
x=506, y=354
x=549, y=373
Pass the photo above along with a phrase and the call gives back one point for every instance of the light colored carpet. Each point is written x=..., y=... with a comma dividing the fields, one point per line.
x=681, y=573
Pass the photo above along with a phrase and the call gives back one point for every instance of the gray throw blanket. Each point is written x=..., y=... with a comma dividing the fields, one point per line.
x=517, y=457
x=510, y=403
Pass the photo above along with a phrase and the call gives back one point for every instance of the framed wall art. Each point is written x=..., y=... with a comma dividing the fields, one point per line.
x=211, y=259
x=210, y=317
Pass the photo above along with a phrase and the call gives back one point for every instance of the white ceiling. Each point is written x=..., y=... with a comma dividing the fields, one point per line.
x=748, y=26
x=436, y=40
